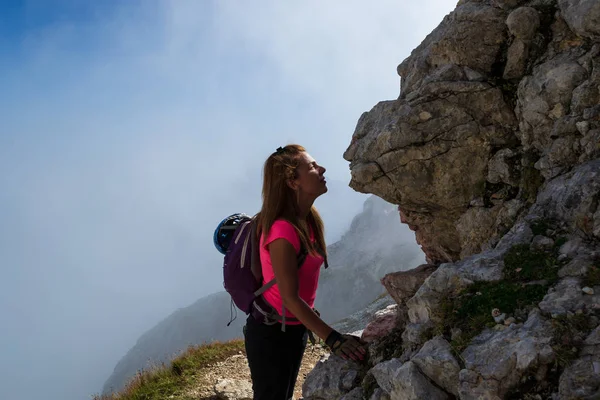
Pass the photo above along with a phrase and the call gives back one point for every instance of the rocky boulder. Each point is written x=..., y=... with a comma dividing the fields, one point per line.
x=402, y=285
x=438, y=363
x=332, y=378
x=523, y=24
x=234, y=389
x=498, y=359
x=383, y=322
x=583, y=17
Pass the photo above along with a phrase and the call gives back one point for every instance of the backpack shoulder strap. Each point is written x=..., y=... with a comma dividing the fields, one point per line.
x=255, y=265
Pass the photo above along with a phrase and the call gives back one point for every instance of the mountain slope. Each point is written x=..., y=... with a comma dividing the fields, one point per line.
x=202, y=322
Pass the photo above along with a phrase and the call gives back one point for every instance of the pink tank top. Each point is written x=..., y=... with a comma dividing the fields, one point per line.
x=308, y=274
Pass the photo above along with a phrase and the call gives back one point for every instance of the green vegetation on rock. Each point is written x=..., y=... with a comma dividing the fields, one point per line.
x=527, y=276
x=592, y=277
x=471, y=310
x=569, y=334
x=391, y=345
x=521, y=264
x=369, y=384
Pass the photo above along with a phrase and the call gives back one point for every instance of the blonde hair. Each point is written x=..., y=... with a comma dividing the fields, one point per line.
x=281, y=201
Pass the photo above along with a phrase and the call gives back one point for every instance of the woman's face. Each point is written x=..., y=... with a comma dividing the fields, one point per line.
x=310, y=179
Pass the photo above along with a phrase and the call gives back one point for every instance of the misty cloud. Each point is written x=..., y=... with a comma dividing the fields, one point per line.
x=128, y=130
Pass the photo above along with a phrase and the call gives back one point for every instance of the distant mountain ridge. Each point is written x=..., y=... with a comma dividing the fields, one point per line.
x=376, y=243
x=367, y=251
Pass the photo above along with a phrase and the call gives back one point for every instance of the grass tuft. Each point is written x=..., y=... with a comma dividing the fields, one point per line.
x=592, y=277
x=391, y=345
x=540, y=227
x=471, y=310
x=568, y=337
x=521, y=264
x=369, y=384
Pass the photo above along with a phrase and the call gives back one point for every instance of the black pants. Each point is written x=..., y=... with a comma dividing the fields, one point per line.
x=274, y=358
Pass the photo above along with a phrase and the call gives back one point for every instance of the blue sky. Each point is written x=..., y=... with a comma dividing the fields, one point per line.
x=128, y=129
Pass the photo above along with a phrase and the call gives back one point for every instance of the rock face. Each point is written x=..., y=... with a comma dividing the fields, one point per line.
x=492, y=154
x=495, y=101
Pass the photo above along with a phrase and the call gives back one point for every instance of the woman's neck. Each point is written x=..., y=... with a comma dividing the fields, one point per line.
x=304, y=208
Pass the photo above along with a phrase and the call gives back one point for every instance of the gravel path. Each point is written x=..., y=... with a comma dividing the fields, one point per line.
x=234, y=374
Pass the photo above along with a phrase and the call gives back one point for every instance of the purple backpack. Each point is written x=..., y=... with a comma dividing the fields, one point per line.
x=236, y=238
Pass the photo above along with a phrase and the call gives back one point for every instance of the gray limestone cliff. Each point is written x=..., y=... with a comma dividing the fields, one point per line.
x=491, y=152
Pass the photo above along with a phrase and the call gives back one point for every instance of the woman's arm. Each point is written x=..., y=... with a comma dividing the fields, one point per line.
x=285, y=268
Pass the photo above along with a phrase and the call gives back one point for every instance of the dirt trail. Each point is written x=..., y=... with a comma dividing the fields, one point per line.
x=236, y=368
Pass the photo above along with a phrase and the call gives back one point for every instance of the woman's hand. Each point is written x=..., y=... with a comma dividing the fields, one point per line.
x=346, y=346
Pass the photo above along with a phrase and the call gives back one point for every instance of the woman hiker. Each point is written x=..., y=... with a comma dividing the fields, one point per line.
x=287, y=224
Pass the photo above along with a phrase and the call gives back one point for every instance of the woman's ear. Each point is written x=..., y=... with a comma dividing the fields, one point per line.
x=292, y=184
